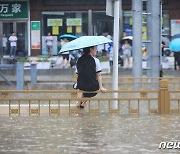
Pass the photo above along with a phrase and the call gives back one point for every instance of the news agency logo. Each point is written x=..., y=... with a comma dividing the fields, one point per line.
x=170, y=145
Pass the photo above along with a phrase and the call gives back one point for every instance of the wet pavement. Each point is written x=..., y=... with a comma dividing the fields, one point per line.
x=87, y=134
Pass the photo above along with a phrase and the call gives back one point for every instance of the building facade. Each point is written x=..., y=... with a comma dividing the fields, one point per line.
x=33, y=19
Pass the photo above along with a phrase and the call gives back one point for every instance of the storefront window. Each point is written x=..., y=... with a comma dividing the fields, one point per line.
x=165, y=24
x=102, y=23
x=127, y=23
x=59, y=23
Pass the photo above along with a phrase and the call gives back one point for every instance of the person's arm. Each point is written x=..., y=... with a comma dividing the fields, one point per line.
x=99, y=78
x=123, y=47
x=10, y=40
x=52, y=39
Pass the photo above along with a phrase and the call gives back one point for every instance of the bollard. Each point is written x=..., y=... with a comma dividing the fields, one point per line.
x=20, y=76
x=164, y=98
x=33, y=73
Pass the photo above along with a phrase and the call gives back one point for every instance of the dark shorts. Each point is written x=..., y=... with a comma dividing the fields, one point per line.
x=89, y=94
x=49, y=47
x=65, y=56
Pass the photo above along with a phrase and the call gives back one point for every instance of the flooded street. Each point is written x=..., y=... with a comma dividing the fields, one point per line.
x=87, y=134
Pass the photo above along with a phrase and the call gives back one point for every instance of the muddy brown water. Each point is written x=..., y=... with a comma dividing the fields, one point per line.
x=87, y=134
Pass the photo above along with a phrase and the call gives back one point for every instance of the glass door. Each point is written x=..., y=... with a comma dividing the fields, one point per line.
x=20, y=28
x=7, y=30
x=22, y=43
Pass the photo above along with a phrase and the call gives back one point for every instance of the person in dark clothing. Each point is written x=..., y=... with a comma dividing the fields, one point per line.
x=177, y=60
x=89, y=74
x=162, y=47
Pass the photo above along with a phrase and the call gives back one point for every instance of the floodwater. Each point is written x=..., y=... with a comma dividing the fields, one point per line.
x=82, y=134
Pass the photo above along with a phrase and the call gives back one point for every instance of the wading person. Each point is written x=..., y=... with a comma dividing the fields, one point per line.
x=89, y=74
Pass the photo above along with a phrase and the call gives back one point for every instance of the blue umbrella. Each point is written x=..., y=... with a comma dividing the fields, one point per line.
x=175, y=45
x=176, y=36
x=68, y=36
x=83, y=42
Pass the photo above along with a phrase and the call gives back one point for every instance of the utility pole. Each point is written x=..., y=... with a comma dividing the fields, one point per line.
x=90, y=24
x=149, y=49
x=114, y=9
x=116, y=48
x=137, y=40
x=155, y=32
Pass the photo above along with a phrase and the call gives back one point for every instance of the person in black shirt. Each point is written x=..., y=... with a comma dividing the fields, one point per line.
x=89, y=74
x=177, y=60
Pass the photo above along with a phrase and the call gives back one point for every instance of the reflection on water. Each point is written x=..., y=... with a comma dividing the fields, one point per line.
x=87, y=134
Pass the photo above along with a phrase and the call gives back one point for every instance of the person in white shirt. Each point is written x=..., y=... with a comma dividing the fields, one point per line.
x=65, y=55
x=49, y=43
x=13, y=44
x=4, y=43
x=127, y=53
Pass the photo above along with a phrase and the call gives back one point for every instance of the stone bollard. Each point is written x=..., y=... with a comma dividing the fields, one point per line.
x=33, y=73
x=164, y=98
x=20, y=76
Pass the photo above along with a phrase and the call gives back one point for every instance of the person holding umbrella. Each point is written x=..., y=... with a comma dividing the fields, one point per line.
x=88, y=66
x=177, y=60
x=175, y=47
x=89, y=73
x=127, y=53
x=65, y=38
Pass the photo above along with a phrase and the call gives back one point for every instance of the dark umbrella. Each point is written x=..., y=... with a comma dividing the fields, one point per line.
x=70, y=37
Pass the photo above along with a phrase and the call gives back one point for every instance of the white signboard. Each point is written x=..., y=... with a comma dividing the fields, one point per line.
x=74, y=22
x=110, y=8
x=35, y=35
x=175, y=27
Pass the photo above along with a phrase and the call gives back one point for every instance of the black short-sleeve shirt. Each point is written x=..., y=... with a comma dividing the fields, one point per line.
x=87, y=67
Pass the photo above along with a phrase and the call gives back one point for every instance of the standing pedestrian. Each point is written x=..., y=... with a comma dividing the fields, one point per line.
x=4, y=43
x=177, y=60
x=89, y=74
x=65, y=55
x=111, y=53
x=13, y=44
x=127, y=53
x=49, y=43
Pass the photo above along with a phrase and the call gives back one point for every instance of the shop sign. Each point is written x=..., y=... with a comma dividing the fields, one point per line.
x=35, y=35
x=175, y=27
x=54, y=22
x=13, y=10
x=74, y=22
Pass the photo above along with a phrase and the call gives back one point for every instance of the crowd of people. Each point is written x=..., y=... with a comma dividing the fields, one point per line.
x=70, y=58
x=13, y=44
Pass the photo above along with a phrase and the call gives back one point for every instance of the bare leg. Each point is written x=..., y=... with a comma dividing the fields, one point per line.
x=128, y=59
x=50, y=51
x=81, y=103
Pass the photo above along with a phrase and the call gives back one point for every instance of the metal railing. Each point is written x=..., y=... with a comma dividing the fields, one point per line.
x=58, y=102
x=144, y=82
x=175, y=101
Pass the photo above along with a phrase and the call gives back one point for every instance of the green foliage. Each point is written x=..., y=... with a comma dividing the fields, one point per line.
x=103, y=58
x=42, y=58
x=23, y=59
